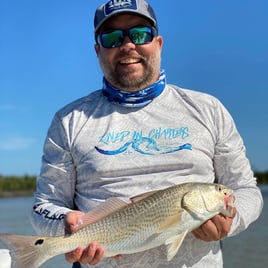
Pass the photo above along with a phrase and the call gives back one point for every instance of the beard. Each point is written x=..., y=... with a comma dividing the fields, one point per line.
x=123, y=78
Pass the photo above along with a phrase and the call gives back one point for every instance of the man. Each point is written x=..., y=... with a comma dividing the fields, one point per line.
x=140, y=134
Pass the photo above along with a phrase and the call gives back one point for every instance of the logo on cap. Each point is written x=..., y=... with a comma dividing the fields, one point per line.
x=115, y=5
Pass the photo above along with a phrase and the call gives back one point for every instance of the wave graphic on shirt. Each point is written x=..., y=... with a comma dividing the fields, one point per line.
x=146, y=146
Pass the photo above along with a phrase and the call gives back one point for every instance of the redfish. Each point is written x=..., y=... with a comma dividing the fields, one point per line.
x=147, y=221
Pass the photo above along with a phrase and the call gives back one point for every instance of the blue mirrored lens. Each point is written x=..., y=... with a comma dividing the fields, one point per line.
x=112, y=39
x=140, y=36
x=137, y=35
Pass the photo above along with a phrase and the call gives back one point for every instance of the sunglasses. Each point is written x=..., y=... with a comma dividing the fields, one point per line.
x=137, y=35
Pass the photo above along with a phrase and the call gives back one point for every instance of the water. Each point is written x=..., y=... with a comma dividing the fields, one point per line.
x=14, y=218
x=248, y=249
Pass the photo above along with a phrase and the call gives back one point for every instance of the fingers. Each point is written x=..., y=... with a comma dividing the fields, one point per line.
x=92, y=255
x=206, y=232
x=74, y=255
x=71, y=221
x=214, y=229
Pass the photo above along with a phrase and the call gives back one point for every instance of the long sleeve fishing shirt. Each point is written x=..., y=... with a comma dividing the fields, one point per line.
x=96, y=149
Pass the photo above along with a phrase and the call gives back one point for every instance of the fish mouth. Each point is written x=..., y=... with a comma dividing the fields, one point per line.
x=229, y=204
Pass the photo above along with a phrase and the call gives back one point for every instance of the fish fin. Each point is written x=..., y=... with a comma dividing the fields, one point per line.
x=26, y=251
x=142, y=196
x=103, y=210
x=169, y=222
x=173, y=244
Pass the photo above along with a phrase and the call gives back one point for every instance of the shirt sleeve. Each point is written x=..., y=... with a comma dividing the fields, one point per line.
x=232, y=168
x=56, y=183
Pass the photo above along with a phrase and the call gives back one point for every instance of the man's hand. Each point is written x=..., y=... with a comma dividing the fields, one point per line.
x=215, y=228
x=92, y=254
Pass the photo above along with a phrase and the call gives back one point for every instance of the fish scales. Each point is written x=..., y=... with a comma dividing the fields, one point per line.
x=129, y=228
x=139, y=220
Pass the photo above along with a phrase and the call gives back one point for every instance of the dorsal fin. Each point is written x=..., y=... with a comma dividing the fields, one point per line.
x=103, y=210
x=142, y=196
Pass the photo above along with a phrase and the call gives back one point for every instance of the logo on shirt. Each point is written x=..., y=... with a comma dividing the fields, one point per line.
x=157, y=141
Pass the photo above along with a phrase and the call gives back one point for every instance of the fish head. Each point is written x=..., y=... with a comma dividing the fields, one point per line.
x=207, y=200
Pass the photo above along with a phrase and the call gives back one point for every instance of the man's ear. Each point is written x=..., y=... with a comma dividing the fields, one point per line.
x=97, y=49
x=159, y=39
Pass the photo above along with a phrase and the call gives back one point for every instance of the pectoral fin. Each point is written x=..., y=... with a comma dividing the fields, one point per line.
x=173, y=244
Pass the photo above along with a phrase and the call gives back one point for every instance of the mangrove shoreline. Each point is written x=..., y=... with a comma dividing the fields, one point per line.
x=21, y=186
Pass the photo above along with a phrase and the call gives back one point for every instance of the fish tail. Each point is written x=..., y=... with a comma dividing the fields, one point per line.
x=26, y=251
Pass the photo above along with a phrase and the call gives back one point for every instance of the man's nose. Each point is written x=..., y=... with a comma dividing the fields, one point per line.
x=127, y=44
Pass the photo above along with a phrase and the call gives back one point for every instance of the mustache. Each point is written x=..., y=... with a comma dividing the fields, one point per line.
x=130, y=54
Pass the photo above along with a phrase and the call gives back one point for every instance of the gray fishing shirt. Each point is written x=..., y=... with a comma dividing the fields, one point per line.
x=95, y=150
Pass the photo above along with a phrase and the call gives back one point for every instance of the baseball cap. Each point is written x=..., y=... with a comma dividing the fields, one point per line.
x=116, y=7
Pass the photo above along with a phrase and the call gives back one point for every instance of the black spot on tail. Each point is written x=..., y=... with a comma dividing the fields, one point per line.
x=39, y=242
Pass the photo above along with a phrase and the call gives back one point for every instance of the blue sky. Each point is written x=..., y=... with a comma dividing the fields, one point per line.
x=47, y=60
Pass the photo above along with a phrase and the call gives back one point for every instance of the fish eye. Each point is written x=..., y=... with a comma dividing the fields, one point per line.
x=219, y=188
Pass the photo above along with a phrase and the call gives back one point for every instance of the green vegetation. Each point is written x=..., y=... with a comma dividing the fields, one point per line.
x=17, y=186
x=25, y=185
x=262, y=177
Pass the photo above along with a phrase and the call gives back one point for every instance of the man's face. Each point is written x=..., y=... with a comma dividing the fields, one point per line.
x=130, y=67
